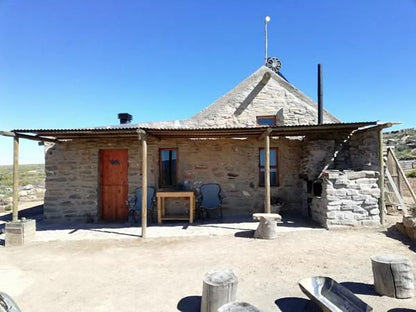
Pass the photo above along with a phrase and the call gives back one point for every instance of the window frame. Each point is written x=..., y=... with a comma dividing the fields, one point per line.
x=267, y=117
x=271, y=167
x=174, y=183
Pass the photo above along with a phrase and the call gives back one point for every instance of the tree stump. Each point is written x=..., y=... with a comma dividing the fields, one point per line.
x=219, y=288
x=238, y=307
x=393, y=276
x=267, y=228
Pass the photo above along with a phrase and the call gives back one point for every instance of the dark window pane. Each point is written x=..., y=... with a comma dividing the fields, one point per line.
x=273, y=167
x=261, y=177
x=273, y=157
x=273, y=176
x=266, y=121
x=168, y=167
x=262, y=157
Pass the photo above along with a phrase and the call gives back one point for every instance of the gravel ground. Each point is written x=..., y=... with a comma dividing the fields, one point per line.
x=105, y=268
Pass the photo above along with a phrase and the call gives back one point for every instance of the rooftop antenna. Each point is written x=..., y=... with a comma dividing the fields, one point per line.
x=271, y=62
x=266, y=20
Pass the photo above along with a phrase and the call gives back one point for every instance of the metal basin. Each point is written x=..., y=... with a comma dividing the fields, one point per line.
x=331, y=296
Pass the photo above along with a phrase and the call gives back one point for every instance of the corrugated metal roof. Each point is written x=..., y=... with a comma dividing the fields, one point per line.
x=132, y=131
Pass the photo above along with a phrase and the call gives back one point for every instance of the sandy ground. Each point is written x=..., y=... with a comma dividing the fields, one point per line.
x=101, y=268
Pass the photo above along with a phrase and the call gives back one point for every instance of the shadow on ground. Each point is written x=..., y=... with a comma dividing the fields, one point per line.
x=190, y=304
x=393, y=233
x=35, y=212
x=360, y=288
x=291, y=304
x=401, y=310
x=227, y=222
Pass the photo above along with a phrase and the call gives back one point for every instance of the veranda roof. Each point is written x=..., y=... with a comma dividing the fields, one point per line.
x=129, y=131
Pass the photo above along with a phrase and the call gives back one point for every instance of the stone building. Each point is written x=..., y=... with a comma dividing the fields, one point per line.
x=329, y=171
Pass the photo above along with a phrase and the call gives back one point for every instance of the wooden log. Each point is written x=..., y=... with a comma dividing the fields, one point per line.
x=238, y=307
x=393, y=276
x=219, y=288
x=144, y=198
x=267, y=175
x=267, y=228
x=15, y=213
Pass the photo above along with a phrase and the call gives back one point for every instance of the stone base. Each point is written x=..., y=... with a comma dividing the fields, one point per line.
x=17, y=233
x=267, y=228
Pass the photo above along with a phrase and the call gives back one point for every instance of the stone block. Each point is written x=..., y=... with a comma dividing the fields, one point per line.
x=375, y=192
x=354, y=175
x=371, y=201
x=341, y=182
x=334, y=208
x=19, y=232
x=351, y=192
x=366, y=181
x=374, y=211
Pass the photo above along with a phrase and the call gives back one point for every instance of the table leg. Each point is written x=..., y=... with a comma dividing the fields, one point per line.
x=159, y=210
x=191, y=208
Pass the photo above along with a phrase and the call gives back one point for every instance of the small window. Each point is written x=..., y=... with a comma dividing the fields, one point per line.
x=274, y=181
x=168, y=161
x=266, y=120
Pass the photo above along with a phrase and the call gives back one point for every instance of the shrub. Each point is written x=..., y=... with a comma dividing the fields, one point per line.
x=411, y=174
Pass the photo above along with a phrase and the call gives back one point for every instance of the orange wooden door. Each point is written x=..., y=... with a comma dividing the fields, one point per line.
x=114, y=185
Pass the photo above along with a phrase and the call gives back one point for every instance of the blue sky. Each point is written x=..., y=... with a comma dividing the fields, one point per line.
x=69, y=64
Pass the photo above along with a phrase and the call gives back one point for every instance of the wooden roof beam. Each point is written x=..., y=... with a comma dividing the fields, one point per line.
x=266, y=133
x=27, y=136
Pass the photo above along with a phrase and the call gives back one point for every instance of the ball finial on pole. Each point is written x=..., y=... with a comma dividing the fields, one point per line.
x=266, y=20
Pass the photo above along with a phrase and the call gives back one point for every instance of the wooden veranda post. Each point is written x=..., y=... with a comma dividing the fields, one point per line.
x=15, y=178
x=381, y=179
x=143, y=137
x=267, y=174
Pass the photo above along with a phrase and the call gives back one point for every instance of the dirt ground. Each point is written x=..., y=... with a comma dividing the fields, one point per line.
x=127, y=273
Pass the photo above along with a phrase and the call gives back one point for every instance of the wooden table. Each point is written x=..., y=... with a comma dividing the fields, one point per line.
x=161, y=209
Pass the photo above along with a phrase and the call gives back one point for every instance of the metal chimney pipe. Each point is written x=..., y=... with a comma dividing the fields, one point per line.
x=320, y=96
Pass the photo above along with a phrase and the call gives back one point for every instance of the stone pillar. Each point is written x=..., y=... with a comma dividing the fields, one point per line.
x=19, y=232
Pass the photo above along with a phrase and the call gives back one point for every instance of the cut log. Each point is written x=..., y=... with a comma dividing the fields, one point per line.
x=219, y=288
x=267, y=228
x=393, y=276
x=238, y=307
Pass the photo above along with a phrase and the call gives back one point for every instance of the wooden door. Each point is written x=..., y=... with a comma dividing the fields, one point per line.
x=114, y=185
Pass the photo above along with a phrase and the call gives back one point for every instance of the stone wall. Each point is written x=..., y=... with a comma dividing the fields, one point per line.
x=73, y=177
x=348, y=198
x=339, y=150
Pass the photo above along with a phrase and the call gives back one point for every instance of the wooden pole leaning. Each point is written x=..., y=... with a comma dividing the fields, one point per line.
x=382, y=205
x=15, y=179
x=143, y=138
x=267, y=174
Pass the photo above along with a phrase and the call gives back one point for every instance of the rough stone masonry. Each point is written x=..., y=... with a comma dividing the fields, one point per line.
x=348, y=198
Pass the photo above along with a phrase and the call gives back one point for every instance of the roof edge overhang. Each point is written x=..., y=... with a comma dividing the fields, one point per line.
x=133, y=132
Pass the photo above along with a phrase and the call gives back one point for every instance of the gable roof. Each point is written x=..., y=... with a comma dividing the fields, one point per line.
x=262, y=93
